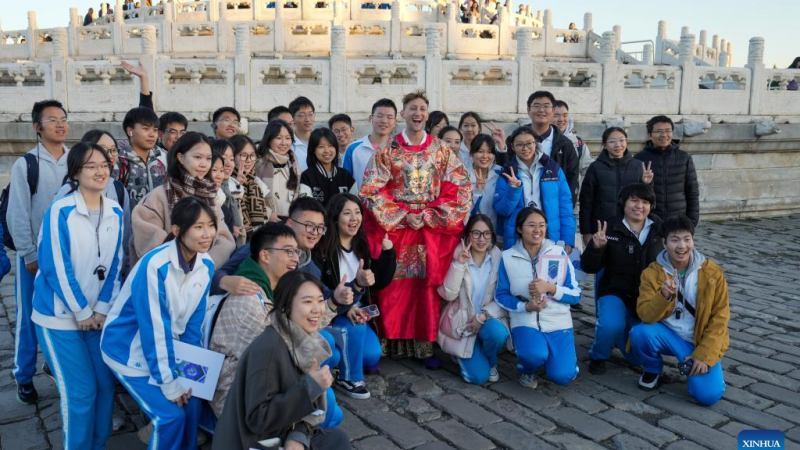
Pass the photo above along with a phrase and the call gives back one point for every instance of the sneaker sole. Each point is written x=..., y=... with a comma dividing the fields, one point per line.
x=494, y=379
x=533, y=385
x=356, y=396
x=24, y=403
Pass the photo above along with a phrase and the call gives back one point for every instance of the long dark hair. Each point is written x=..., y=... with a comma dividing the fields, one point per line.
x=472, y=114
x=478, y=142
x=181, y=146
x=270, y=133
x=76, y=158
x=185, y=214
x=239, y=142
x=434, y=118
x=330, y=247
x=313, y=142
x=794, y=63
x=287, y=288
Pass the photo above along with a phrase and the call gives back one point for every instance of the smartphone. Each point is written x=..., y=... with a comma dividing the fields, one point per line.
x=685, y=367
x=463, y=331
x=371, y=310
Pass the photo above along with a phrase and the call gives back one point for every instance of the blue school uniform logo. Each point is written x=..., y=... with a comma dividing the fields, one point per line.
x=760, y=439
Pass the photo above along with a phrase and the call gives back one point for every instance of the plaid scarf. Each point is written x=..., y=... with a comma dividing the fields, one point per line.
x=253, y=204
x=186, y=185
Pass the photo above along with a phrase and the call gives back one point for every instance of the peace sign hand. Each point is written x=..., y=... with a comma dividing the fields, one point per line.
x=513, y=181
x=464, y=255
x=498, y=134
x=647, y=173
x=599, y=239
x=669, y=288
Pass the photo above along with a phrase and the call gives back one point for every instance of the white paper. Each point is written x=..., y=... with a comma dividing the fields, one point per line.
x=198, y=369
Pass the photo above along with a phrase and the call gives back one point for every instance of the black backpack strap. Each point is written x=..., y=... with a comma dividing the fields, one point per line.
x=118, y=186
x=33, y=172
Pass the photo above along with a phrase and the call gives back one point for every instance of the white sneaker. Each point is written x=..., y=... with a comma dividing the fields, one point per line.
x=494, y=376
x=117, y=422
x=649, y=381
x=528, y=381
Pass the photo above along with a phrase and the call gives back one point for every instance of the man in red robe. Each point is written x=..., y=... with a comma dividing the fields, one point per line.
x=417, y=191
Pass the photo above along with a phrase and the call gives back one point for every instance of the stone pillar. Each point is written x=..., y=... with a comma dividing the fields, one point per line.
x=525, y=67
x=684, y=31
x=587, y=22
x=118, y=28
x=33, y=38
x=216, y=10
x=149, y=57
x=722, y=61
x=723, y=44
x=72, y=31
x=549, y=33
x=660, y=37
x=755, y=62
x=306, y=9
x=647, y=54
x=279, y=31
x=149, y=40
x=58, y=65
x=539, y=13
x=395, y=29
x=688, y=79
x=258, y=9
x=702, y=44
x=223, y=28
x=617, y=37
x=241, y=62
x=433, y=67
x=166, y=26
x=338, y=84
x=338, y=16
x=505, y=30
x=611, y=83
x=452, y=30
x=729, y=50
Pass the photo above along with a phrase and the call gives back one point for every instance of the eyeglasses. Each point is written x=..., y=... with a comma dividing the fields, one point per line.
x=519, y=146
x=313, y=228
x=227, y=120
x=540, y=106
x=481, y=234
x=95, y=168
x=247, y=157
x=54, y=121
x=111, y=150
x=304, y=116
x=340, y=132
x=292, y=252
x=173, y=132
x=661, y=132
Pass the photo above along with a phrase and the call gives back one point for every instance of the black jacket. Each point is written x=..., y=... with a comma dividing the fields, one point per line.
x=384, y=268
x=599, y=199
x=268, y=397
x=674, y=181
x=623, y=259
x=322, y=187
x=564, y=153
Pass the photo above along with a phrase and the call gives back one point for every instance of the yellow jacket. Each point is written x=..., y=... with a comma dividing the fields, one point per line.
x=712, y=310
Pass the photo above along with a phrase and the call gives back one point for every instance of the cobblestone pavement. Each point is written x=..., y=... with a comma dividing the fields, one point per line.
x=434, y=410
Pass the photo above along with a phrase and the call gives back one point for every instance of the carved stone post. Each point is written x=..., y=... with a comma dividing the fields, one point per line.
x=338, y=84
x=660, y=37
x=118, y=28
x=279, y=31
x=688, y=79
x=526, y=81
x=72, y=31
x=33, y=38
x=166, y=26
x=647, y=54
x=611, y=84
x=223, y=29
x=149, y=41
x=58, y=65
x=241, y=79
x=433, y=67
x=549, y=33
x=755, y=61
x=452, y=30
x=395, y=30
x=702, y=44
x=617, y=38
x=587, y=22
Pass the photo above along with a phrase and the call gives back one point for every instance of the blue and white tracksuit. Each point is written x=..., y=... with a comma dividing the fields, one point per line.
x=545, y=337
x=356, y=158
x=160, y=302
x=68, y=289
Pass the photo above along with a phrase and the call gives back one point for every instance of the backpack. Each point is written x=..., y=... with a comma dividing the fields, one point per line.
x=33, y=184
x=121, y=193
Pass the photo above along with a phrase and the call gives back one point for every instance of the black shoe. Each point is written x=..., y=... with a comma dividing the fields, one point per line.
x=649, y=381
x=48, y=372
x=597, y=366
x=26, y=394
x=353, y=389
x=576, y=307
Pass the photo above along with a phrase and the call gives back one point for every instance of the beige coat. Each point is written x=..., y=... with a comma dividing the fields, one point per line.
x=460, y=309
x=151, y=225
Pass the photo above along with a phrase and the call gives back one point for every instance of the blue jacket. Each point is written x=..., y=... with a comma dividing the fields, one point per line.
x=5, y=263
x=556, y=203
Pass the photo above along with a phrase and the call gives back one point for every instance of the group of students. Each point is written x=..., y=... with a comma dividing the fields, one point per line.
x=276, y=253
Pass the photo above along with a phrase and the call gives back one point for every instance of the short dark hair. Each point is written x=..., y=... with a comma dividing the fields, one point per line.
x=340, y=118
x=181, y=146
x=541, y=94
x=300, y=102
x=239, y=142
x=448, y=129
x=277, y=111
x=474, y=220
x=187, y=211
x=676, y=224
x=287, y=288
x=659, y=119
x=313, y=142
x=224, y=109
x=467, y=115
x=140, y=115
x=39, y=107
x=171, y=117
x=414, y=95
x=520, y=131
x=93, y=136
x=560, y=104
x=384, y=103
x=523, y=215
x=637, y=190
x=77, y=157
x=266, y=235
x=607, y=132
x=478, y=142
x=434, y=118
x=302, y=204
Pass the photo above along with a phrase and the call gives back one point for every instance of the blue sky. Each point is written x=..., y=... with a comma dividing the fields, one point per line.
x=735, y=20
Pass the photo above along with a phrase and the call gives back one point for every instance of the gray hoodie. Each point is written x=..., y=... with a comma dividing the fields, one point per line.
x=684, y=325
x=25, y=213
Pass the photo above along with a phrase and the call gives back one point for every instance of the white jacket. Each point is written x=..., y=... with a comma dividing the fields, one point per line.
x=516, y=273
x=67, y=287
x=158, y=303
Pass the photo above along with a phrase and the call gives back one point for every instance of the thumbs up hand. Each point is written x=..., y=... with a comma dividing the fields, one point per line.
x=321, y=375
x=343, y=295
x=364, y=278
x=387, y=244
